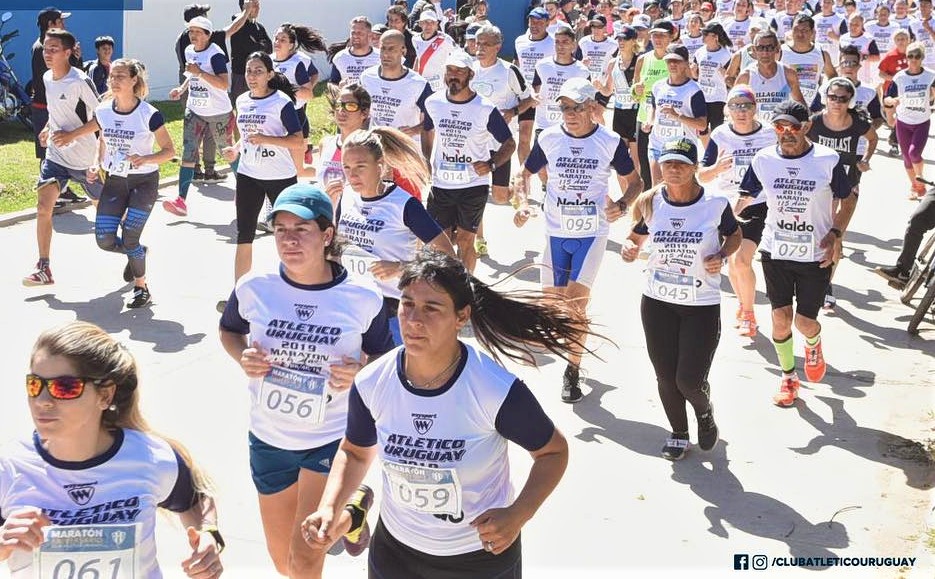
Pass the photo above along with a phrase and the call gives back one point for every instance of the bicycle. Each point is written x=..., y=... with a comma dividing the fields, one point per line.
x=923, y=274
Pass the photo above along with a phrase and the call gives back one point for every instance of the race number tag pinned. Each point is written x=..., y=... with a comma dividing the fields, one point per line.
x=577, y=219
x=794, y=246
x=88, y=551
x=672, y=287
x=297, y=397
x=454, y=173
x=119, y=165
x=436, y=491
x=357, y=261
x=553, y=113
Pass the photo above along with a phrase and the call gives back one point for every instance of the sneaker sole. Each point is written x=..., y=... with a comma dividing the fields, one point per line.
x=571, y=399
x=892, y=280
x=32, y=283
x=168, y=206
x=784, y=403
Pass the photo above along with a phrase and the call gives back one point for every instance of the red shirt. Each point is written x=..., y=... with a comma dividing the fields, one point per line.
x=891, y=63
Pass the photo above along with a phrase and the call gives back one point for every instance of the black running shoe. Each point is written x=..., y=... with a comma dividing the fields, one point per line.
x=707, y=430
x=894, y=275
x=571, y=391
x=198, y=177
x=70, y=197
x=212, y=176
x=141, y=298
x=676, y=446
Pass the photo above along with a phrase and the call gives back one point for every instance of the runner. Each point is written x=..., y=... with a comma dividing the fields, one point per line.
x=901, y=14
x=726, y=160
x=806, y=58
x=738, y=27
x=578, y=155
x=68, y=134
x=530, y=48
x=828, y=26
x=465, y=124
x=432, y=49
x=692, y=38
x=91, y=446
x=359, y=55
x=301, y=353
x=384, y=224
x=551, y=73
x=708, y=68
x=270, y=130
x=909, y=101
x=596, y=49
x=503, y=84
x=772, y=81
x=681, y=308
x=396, y=19
x=618, y=81
x=892, y=62
x=802, y=236
x=129, y=127
x=882, y=29
x=843, y=126
x=208, y=108
x=923, y=28
x=784, y=20
x=650, y=69
x=350, y=108
x=436, y=386
x=746, y=55
x=869, y=52
x=677, y=107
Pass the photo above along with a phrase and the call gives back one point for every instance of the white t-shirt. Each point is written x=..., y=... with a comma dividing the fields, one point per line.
x=687, y=99
x=914, y=92
x=299, y=69
x=128, y=134
x=346, y=67
x=550, y=76
x=712, y=67
x=395, y=103
x=741, y=148
x=72, y=101
x=808, y=67
x=501, y=83
x=430, y=57
x=529, y=52
x=204, y=99
x=273, y=115
x=596, y=55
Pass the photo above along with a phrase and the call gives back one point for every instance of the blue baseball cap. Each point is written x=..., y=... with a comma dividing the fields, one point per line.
x=539, y=14
x=305, y=201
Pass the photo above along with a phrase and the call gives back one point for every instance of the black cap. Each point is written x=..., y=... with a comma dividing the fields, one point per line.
x=683, y=150
x=713, y=28
x=791, y=111
x=663, y=26
x=676, y=52
x=597, y=22
x=49, y=15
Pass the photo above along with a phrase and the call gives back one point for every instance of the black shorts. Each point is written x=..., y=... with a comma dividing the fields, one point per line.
x=501, y=176
x=806, y=282
x=527, y=115
x=389, y=558
x=458, y=208
x=625, y=124
x=754, y=220
x=715, y=115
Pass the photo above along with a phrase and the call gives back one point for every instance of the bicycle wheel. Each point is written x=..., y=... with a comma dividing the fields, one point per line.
x=922, y=309
x=920, y=266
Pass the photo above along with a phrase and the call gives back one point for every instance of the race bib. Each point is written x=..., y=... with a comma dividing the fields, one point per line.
x=623, y=98
x=88, y=552
x=794, y=246
x=296, y=397
x=197, y=96
x=436, y=491
x=357, y=261
x=672, y=287
x=454, y=172
x=553, y=114
x=667, y=129
x=119, y=165
x=577, y=219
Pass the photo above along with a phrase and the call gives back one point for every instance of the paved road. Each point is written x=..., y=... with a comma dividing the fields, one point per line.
x=838, y=475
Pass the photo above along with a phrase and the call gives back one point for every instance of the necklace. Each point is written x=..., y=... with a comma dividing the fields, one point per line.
x=432, y=382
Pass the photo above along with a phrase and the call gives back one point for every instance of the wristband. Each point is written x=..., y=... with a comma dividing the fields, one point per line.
x=214, y=532
x=622, y=205
x=837, y=232
x=493, y=166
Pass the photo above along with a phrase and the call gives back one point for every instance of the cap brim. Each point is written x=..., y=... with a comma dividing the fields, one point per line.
x=299, y=211
x=674, y=57
x=789, y=118
x=675, y=157
x=65, y=15
x=665, y=30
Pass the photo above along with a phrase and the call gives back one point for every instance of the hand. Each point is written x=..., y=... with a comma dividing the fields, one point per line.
x=230, y=153
x=44, y=137
x=62, y=138
x=205, y=562
x=646, y=127
x=612, y=211
x=630, y=251
x=192, y=68
x=384, y=270
x=669, y=111
x=137, y=160
x=522, y=215
x=22, y=530
x=725, y=162
x=832, y=246
x=637, y=89
x=481, y=168
x=253, y=361
x=317, y=529
x=498, y=529
x=863, y=166
x=175, y=94
x=92, y=174
x=713, y=263
x=507, y=115
x=342, y=375
x=256, y=139
x=334, y=189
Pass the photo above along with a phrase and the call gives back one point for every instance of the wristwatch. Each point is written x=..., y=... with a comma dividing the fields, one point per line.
x=493, y=166
x=214, y=532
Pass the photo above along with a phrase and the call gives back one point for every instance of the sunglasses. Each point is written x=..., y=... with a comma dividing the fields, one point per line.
x=783, y=129
x=741, y=106
x=572, y=109
x=765, y=47
x=914, y=56
x=60, y=388
x=849, y=63
x=348, y=107
x=838, y=98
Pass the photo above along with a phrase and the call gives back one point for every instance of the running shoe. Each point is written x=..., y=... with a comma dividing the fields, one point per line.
x=42, y=276
x=894, y=151
x=480, y=247
x=571, y=390
x=829, y=302
x=141, y=298
x=707, y=430
x=198, y=177
x=748, y=325
x=894, y=275
x=917, y=192
x=72, y=198
x=128, y=271
x=176, y=207
x=676, y=446
x=212, y=176
x=357, y=539
x=815, y=366
x=788, y=391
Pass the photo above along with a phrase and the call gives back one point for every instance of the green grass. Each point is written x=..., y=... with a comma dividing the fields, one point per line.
x=19, y=168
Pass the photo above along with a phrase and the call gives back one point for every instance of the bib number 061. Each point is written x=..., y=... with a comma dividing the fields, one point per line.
x=90, y=569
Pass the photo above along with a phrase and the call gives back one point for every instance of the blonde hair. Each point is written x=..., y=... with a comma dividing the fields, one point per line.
x=137, y=71
x=398, y=148
x=96, y=354
x=643, y=206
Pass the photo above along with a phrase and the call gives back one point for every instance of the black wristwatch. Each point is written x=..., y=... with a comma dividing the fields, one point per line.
x=214, y=532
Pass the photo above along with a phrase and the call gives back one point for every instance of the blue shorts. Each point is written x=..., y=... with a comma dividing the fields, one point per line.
x=274, y=469
x=572, y=259
x=50, y=170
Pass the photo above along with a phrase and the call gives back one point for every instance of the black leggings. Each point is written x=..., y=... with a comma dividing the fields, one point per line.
x=642, y=150
x=126, y=201
x=681, y=341
x=249, y=201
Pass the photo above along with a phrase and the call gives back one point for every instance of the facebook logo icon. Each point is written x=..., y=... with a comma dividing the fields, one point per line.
x=741, y=562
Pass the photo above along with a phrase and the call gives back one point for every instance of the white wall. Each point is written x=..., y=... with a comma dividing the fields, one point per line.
x=150, y=34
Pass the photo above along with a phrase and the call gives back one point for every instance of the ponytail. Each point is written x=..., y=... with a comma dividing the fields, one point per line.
x=281, y=83
x=308, y=39
x=398, y=148
x=643, y=206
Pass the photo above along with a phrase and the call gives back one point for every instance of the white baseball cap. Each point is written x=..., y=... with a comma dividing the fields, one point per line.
x=428, y=15
x=578, y=90
x=460, y=59
x=201, y=22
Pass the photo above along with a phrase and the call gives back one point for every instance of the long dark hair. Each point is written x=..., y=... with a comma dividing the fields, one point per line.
x=278, y=81
x=514, y=324
x=308, y=39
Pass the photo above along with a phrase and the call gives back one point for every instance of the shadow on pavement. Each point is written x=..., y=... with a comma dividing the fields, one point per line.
x=893, y=337
x=73, y=223
x=109, y=313
x=754, y=513
x=853, y=237
x=525, y=269
x=228, y=231
x=219, y=191
x=871, y=444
